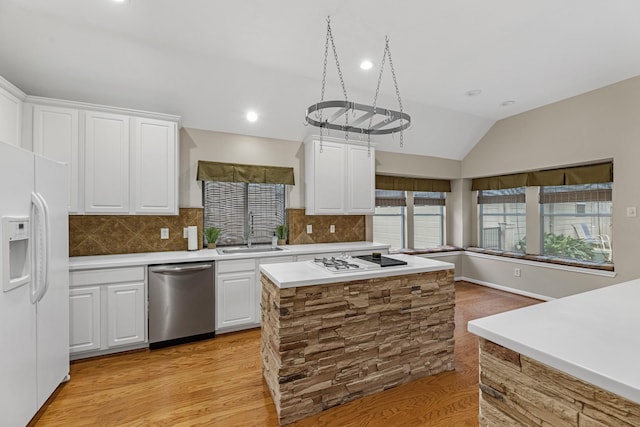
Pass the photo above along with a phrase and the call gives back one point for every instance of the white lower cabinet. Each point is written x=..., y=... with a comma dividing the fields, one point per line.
x=125, y=314
x=84, y=331
x=108, y=311
x=236, y=300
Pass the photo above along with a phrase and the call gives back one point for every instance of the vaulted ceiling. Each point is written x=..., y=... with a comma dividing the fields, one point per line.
x=211, y=61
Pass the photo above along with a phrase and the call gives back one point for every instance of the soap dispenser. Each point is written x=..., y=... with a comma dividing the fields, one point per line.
x=274, y=240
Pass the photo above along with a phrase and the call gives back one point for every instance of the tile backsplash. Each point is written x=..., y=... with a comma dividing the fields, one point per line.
x=121, y=234
x=348, y=228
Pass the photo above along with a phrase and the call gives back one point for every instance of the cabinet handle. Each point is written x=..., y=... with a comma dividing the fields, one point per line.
x=169, y=270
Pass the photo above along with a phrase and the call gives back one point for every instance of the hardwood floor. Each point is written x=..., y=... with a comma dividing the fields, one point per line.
x=218, y=382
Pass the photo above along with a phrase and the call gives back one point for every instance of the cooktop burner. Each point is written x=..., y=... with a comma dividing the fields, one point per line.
x=336, y=264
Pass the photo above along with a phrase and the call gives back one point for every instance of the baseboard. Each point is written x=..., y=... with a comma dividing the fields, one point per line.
x=506, y=289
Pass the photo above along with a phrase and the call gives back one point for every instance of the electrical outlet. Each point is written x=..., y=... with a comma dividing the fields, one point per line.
x=185, y=232
x=517, y=272
x=309, y=228
x=631, y=211
x=332, y=228
x=164, y=233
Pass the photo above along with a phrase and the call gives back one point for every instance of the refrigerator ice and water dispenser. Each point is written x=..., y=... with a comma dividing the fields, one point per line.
x=15, y=252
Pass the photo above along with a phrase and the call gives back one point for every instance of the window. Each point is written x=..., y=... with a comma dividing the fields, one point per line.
x=394, y=224
x=502, y=217
x=428, y=219
x=243, y=210
x=576, y=221
x=389, y=218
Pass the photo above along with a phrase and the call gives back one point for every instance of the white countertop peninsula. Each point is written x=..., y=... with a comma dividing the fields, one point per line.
x=294, y=274
x=592, y=336
x=150, y=258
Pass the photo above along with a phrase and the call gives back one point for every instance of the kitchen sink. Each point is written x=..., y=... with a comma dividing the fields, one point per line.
x=247, y=250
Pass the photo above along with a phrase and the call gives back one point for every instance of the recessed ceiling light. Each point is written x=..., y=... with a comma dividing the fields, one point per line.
x=507, y=103
x=252, y=116
x=366, y=65
x=474, y=92
x=121, y=1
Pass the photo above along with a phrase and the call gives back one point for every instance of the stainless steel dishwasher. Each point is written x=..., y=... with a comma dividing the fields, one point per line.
x=181, y=303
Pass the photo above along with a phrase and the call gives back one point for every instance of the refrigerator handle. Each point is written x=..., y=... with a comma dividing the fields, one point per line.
x=40, y=247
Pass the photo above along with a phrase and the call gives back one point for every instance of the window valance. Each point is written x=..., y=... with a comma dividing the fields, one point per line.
x=399, y=183
x=232, y=172
x=589, y=174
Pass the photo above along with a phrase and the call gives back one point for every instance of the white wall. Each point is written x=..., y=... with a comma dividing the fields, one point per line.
x=196, y=144
x=600, y=125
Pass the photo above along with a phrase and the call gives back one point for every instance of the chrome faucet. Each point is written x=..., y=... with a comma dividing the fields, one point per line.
x=250, y=236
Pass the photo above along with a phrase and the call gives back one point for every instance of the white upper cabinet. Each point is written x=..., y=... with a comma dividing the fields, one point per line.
x=10, y=113
x=55, y=135
x=339, y=178
x=155, y=166
x=361, y=179
x=106, y=166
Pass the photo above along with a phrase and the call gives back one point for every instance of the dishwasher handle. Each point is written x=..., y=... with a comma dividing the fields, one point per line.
x=179, y=270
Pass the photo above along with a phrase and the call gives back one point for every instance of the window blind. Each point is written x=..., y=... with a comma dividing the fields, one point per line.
x=390, y=198
x=576, y=193
x=428, y=198
x=230, y=206
x=507, y=195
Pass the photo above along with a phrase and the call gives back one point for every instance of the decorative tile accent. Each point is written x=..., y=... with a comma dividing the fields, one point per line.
x=326, y=345
x=121, y=234
x=349, y=228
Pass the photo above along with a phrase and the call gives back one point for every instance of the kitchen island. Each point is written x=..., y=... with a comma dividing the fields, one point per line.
x=568, y=362
x=329, y=338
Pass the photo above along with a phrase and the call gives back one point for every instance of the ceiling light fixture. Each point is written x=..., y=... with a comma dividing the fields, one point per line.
x=474, y=92
x=252, y=116
x=366, y=65
x=507, y=103
x=121, y=1
x=381, y=121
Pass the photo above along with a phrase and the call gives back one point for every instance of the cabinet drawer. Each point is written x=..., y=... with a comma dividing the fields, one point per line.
x=106, y=275
x=236, y=265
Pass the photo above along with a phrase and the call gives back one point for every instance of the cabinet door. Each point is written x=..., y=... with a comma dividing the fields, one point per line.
x=236, y=299
x=125, y=314
x=106, y=163
x=10, y=117
x=361, y=185
x=84, y=316
x=329, y=179
x=55, y=135
x=155, y=155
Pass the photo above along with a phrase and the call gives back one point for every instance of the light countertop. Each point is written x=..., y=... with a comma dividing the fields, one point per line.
x=592, y=336
x=150, y=258
x=304, y=273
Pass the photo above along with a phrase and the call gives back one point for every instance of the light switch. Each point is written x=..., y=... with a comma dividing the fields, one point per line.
x=332, y=228
x=309, y=229
x=185, y=232
x=164, y=233
x=631, y=211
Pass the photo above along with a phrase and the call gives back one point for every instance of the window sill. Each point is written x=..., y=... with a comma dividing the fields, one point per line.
x=561, y=263
x=421, y=251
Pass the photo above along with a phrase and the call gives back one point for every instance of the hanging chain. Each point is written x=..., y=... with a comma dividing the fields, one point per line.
x=395, y=83
x=335, y=56
x=324, y=75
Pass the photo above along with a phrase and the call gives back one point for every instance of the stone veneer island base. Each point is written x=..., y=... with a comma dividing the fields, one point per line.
x=325, y=345
x=516, y=390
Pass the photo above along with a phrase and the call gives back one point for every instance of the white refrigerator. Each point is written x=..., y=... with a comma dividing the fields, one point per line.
x=34, y=293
